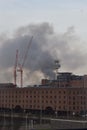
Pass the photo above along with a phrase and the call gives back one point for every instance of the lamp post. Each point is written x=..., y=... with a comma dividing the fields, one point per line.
x=56, y=113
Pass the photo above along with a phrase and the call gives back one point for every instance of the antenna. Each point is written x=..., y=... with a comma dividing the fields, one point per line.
x=57, y=66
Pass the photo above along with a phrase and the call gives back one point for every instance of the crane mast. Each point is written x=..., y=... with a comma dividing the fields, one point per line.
x=26, y=53
x=15, y=68
x=19, y=67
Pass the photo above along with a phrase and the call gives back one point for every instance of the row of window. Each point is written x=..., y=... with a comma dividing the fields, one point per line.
x=42, y=107
x=31, y=96
x=43, y=92
x=44, y=101
x=31, y=92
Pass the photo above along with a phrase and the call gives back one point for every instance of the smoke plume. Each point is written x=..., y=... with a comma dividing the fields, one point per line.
x=46, y=47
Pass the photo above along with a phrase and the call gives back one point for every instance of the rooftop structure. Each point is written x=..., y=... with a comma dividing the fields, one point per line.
x=66, y=79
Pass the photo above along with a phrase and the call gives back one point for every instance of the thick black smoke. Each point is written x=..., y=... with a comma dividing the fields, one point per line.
x=46, y=47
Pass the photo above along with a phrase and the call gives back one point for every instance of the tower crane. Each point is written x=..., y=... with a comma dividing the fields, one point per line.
x=15, y=68
x=19, y=67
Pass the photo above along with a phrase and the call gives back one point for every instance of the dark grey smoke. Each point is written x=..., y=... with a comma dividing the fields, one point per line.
x=46, y=47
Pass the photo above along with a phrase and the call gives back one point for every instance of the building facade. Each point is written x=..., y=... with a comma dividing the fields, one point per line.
x=41, y=98
x=67, y=96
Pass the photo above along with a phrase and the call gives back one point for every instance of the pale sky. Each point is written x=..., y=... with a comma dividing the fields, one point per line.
x=67, y=40
x=60, y=13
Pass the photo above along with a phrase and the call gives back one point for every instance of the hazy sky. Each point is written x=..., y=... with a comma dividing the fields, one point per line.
x=59, y=28
x=60, y=13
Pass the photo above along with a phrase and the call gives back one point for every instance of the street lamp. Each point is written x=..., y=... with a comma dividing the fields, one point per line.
x=56, y=113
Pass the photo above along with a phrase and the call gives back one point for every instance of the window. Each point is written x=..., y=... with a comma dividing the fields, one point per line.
x=69, y=102
x=59, y=101
x=31, y=92
x=69, y=107
x=54, y=96
x=34, y=106
x=34, y=101
x=73, y=98
x=59, y=107
x=64, y=97
x=50, y=91
x=59, y=91
x=46, y=91
x=34, y=92
x=38, y=106
x=84, y=92
x=73, y=92
x=51, y=101
x=42, y=91
x=74, y=108
x=19, y=101
x=54, y=101
x=77, y=92
x=30, y=106
x=30, y=101
x=73, y=103
x=77, y=107
x=59, y=97
x=69, y=97
x=46, y=101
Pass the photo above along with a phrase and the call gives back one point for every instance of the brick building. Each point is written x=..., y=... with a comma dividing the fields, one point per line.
x=59, y=96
